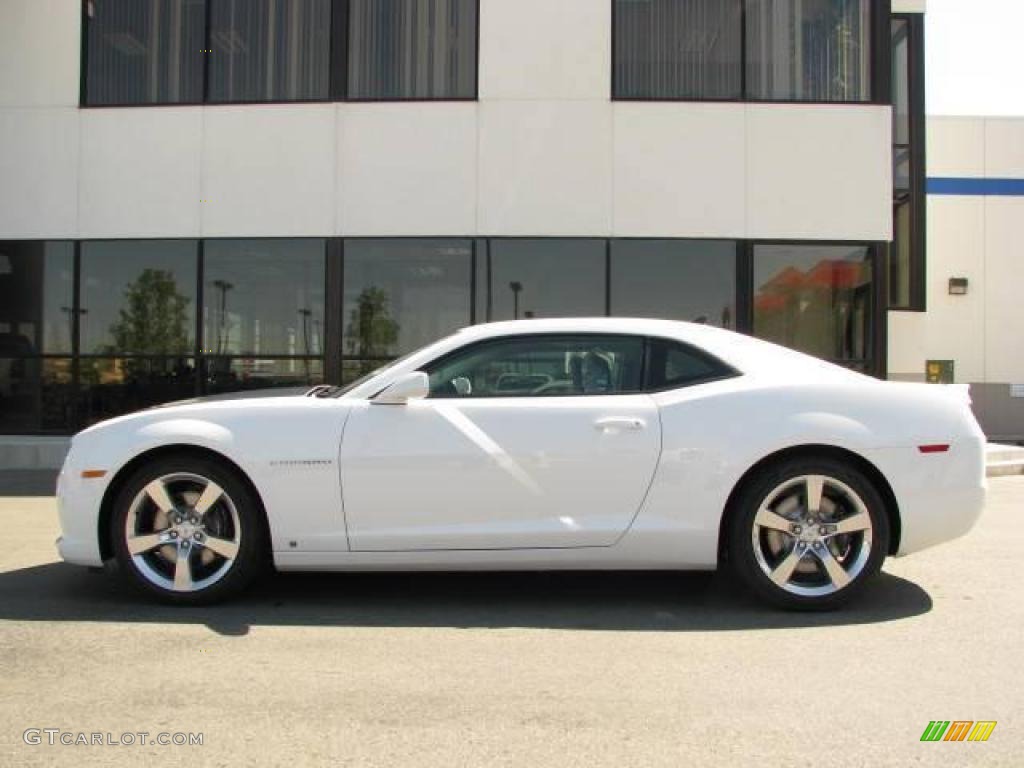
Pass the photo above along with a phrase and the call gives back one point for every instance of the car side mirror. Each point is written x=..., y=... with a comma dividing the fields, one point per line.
x=409, y=386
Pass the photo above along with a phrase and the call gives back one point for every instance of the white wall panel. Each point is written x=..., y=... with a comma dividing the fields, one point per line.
x=407, y=169
x=908, y=345
x=956, y=146
x=539, y=49
x=1003, y=329
x=269, y=171
x=956, y=248
x=545, y=168
x=38, y=173
x=679, y=170
x=819, y=172
x=140, y=172
x=39, y=52
x=1004, y=148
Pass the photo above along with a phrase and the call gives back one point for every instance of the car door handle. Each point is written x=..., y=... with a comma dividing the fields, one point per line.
x=613, y=424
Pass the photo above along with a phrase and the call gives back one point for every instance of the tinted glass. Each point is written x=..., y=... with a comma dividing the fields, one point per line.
x=138, y=297
x=814, y=298
x=412, y=49
x=678, y=49
x=541, y=366
x=691, y=280
x=546, y=278
x=900, y=82
x=36, y=395
x=36, y=297
x=899, y=258
x=671, y=365
x=269, y=50
x=113, y=386
x=402, y=294
x=809, y=50
x=264, y=297
x=224, y=374
x=145, y=52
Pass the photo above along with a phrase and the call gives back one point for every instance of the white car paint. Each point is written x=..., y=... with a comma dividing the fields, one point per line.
x=613, y=481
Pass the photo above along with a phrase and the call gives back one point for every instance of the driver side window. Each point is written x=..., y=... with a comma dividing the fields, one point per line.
x=541, y=366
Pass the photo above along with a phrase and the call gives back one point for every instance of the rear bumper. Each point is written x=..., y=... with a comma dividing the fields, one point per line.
x=940, y=495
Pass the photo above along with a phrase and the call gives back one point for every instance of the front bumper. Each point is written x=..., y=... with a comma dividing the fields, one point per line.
x=78, y=506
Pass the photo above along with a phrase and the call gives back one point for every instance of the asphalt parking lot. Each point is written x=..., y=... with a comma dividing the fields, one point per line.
x=517, y=669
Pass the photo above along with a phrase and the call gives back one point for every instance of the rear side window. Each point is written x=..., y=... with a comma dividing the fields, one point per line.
x=671, y=365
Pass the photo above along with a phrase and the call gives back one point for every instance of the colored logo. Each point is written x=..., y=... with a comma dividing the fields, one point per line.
x=958, y=730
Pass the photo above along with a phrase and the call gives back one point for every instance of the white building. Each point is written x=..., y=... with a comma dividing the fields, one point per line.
x=206, y=195
x=975, y=221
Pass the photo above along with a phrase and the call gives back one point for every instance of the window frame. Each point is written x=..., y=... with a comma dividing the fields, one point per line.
x=470, y=348
x=647, y=341
x=916, y=198
x=337, y=63
x=725, y=373
x=878, y=40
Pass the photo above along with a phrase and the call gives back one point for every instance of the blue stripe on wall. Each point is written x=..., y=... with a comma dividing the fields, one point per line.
x=959, y=186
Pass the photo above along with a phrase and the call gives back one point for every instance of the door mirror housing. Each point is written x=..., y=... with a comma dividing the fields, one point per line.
x=409, y=386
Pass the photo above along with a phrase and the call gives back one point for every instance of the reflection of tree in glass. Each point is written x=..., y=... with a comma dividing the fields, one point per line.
x=372, y=332
x=153, y=318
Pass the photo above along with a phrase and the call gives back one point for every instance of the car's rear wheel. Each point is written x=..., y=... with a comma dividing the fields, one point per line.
x=188, y=530
x=808, y=533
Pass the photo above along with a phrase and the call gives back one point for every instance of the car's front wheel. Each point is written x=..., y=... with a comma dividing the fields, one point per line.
x=808, y=533
x=188, y=530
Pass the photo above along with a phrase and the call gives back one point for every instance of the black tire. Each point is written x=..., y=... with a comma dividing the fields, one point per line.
x=742, y=551
x=246, y=530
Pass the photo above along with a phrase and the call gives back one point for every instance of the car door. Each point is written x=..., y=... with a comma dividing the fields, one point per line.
x=526, y=441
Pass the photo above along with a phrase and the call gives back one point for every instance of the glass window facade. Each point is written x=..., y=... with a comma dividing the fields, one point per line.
x=264, y=298
x=138, y=297
x=678, y=49
x=402, y=294
x=728, y=50
x=692, y=280
x=269, y=50
x=94, y=329
x=140, y=52
x=817, y=299
x=809, y=50
x=36, y=297
x=907, y=250
x=545, y=278
x=412, y=49
x=144, y=52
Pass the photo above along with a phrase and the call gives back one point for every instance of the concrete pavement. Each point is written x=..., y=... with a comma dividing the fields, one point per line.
x=524, y=670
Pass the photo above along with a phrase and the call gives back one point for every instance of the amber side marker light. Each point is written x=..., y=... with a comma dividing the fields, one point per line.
x=942, y=448
x=93, y=474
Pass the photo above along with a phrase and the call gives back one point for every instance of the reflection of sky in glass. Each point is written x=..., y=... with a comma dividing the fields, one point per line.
x=108, y=270
x=264, y=297
x=547, y=278
x=677, y=280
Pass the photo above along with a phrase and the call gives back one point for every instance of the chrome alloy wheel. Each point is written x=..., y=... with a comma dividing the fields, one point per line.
x=812, y=535
x=182, y=532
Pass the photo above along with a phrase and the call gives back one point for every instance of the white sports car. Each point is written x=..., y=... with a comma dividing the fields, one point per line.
x=538, y=444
